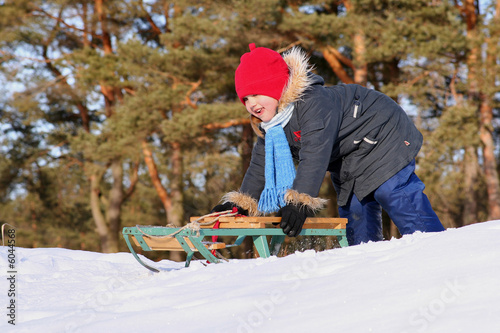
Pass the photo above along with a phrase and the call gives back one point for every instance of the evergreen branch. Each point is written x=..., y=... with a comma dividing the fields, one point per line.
x=84, y=113
x=346, y=61
x=131, y=91
x=194, y=86
x=47, y=151
x=74, y=161
x=63, y=22
x=105, y=36
x=289, y=46
x=166, y=16
x=336, y=66
x=15, y=56
x=133, y=181
x=230, y=123
x=154, y=27
x=175, y=80
x=347, y=4
x=153, y=173
x=417, y=78
x=458, y=97
x=48, y=84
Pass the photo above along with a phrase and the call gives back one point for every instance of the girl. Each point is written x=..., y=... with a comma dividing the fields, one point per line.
x=361, y=136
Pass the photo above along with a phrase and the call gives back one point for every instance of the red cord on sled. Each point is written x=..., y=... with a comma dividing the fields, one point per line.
x=216, y=226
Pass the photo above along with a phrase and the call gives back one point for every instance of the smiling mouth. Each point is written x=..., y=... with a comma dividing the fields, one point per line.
x=258, y=111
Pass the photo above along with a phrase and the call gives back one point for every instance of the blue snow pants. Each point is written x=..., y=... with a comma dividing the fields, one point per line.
x=403, y=199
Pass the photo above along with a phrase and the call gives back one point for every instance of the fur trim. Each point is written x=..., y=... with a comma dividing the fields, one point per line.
x=299, y=81
x=244, y=201
x=302, y=199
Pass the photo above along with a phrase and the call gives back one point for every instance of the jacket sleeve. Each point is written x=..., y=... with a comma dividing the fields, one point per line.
x=253, y=182
x=320, y=116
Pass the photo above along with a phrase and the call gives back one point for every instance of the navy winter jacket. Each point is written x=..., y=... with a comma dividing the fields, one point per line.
x=360, y=135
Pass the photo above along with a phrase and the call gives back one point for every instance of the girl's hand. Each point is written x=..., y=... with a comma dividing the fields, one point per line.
x=229, y=206
x=293, y=218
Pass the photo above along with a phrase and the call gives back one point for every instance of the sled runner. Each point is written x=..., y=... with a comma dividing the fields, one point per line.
x=191, y=238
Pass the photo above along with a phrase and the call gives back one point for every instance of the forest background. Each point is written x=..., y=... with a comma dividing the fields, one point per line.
x=115, y=113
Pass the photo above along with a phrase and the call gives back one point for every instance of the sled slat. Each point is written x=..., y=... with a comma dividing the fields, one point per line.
x=252, y=222
x=171, y=244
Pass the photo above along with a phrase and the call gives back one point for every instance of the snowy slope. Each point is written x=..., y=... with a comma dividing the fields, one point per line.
x=437, y=282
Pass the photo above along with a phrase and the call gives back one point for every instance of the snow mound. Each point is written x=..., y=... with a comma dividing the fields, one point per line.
x=425, y=282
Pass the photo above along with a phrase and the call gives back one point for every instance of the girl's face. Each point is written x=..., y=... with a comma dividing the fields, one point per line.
x=261, y=106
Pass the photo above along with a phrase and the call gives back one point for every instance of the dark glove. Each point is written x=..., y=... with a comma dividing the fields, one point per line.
x=229, y=206
x=293, y=218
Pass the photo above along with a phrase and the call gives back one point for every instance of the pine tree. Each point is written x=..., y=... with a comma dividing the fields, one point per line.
x=126, y=110
x=129, y=79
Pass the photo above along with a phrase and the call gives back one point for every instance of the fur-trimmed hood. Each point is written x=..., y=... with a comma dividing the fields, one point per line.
x=299, y=80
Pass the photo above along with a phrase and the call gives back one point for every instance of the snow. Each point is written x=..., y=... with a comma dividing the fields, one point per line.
x=434, y=282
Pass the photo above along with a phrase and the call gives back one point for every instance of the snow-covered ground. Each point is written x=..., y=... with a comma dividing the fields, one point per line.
x=437, y=282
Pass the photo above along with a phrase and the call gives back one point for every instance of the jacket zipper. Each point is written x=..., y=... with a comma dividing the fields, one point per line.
x=356, y=106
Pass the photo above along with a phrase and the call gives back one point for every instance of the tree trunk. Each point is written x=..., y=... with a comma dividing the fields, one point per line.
x=470, y=180
x=486, y=128
x=490, y=163
x=155, y=178
x=108, y=226
x=176, y=212
x=95, y=205
x=471, y=166
x=361, y=68
x=107, y=91
x=115, y=203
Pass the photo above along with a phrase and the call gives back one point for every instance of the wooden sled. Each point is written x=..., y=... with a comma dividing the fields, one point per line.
x=190, y=238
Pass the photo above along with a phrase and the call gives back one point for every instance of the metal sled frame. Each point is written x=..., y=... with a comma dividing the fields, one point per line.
x=156, y=238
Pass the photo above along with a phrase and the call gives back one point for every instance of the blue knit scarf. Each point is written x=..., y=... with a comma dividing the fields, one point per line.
x=279, y=167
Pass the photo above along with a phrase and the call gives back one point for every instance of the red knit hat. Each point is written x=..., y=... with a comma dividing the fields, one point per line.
x=262, y=71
